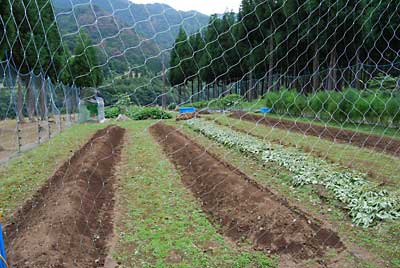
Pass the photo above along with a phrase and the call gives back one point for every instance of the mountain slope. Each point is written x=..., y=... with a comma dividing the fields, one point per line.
x=120, y=47
x=158, y=22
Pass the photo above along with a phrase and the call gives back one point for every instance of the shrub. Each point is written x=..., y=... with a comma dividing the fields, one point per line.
x=230, y=101
x=383, y=83
x=92, y=108
x=318, y=102
x=361, y=108
x=300, y=105
x=286, y=99
x=143, y=113
x=348, y=103
x=111, y=112
x=171, y=106
x=200, y=104
x=123, y=103
x=393, y=109
x=377, y=105
x=271, y=98
x=333, y=108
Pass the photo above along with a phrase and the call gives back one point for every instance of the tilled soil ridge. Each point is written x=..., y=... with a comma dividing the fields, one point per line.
x=378, y=143
x=68, y=221
x=241, y=206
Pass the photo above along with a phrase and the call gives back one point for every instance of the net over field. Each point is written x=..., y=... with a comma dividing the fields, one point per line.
x=144, y=134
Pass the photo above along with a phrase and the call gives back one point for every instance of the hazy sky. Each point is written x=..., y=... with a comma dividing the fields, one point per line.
x=204, y=6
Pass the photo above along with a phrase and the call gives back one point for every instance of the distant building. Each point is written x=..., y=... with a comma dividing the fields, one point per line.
x=130, y=74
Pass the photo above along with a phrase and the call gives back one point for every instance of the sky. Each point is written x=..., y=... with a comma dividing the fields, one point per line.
x=204, y=6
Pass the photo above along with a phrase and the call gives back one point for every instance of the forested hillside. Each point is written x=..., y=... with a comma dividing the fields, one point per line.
x=158, y=22
x=120, y=47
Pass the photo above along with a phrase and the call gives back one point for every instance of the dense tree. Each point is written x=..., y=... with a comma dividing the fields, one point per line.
x=381, y=30
x=197, y=45
x=30, y=40
x=37, y=47
x=180, y=62
x=7, y=28
x=308, y=45
x=85, y=67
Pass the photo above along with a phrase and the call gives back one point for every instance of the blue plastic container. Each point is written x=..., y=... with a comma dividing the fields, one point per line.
x=265, y=110
x=186, y=110
x=2, y=249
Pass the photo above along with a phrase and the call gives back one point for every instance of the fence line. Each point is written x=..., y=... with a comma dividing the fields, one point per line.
x=33, y=109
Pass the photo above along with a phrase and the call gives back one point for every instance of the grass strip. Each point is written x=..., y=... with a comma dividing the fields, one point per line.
x=160, y=223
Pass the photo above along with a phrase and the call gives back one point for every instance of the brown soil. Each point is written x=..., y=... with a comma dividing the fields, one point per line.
x=68, y=221
x=244, y=208
x=374, y=142
x=187, y=116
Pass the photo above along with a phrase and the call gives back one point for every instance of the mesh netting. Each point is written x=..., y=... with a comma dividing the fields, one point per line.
x=140, y=135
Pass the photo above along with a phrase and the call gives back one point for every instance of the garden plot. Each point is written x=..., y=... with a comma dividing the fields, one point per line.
x=362, y=140
x=365, y=202
x=68, y=221
x=381, y=168
x=245, y=209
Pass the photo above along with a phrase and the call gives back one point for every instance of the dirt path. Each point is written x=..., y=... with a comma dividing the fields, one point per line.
x=374, y=142
x=245, y=209
x=67, y=223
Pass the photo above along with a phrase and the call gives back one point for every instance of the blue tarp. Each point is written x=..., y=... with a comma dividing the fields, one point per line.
x=265, y=110
x=185, y=110
x=2, y=249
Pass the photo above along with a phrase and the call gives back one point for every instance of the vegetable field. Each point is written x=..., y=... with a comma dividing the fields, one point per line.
x=199, y=134
x=199, y=193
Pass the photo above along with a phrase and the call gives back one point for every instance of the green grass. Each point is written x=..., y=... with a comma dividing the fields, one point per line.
x=255, y=105
x=379, y=167
x=366, y=129
x=160, y=223
x=381, y=241
x=22, y=176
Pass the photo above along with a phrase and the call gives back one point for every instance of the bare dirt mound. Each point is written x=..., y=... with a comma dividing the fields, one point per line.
x=374, y=142
x=241, y=206
x=67, y=223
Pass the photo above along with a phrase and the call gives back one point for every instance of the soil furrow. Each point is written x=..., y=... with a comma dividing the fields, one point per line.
x=69, y=220
x=243, y=208
x=374, y=142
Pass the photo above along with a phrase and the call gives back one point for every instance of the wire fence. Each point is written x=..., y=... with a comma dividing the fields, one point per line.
x=33, y=109
x=312, y=88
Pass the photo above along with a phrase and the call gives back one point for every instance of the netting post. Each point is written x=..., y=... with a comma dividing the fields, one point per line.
x=38, y=130
x=49, y=127
x=39, y=116
x=18, y=137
